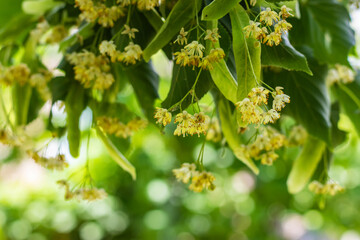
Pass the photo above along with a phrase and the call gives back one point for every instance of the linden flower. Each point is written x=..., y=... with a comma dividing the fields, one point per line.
x=129, y=31
x=285, y=12
x=282, y=26
x=213, y=131
x=206, y=63
x=212, y=35
x=132, y=53
x=185, y=121
x=270, y=116
x=163, y=116
x=297, y=135
x=181, y=38
x=268, y=16
x=107, y=47
x=184, y=173
x=316, y=187
x=268, y=158
x=273, y=38
x=19, y=73
x=253, y=30
x=345, y=74
x=147, y=4
x=279, y=101
x=249, y=111
x=182, y=58
x=195, y=49
x=332, y=188
x=199, y=124
x=107, y=16
x=263, y=142
x=201, y=180
x=91, y=194
x=216, y=54
x=259, y=95
x=279, y=90
x=277, y=141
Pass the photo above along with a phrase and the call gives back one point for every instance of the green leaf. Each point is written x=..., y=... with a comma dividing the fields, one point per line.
x=325, y=26
x=349, y=98
x=337, y=136
x=39, y=7
x=247, y=52
x=218, y=9
x=229, y=129
x=284, y=56
x=144, y=81
x=16, y=29
x=310, y=104
x=220, y=73
x=21, y=103
x=9, y=9
x=183, y=78
x=305, y=164
x=74, y=105
x=117, y=156
x=180, y=15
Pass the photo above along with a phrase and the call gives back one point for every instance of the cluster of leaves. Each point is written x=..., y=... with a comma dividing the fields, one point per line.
x=321, y=37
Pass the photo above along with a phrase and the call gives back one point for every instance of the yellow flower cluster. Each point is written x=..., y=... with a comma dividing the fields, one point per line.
x=57, y=34
x=132, y=52
x=163, y=116
x=193, y=53
x=21, y=74
x=142, y=5
x=340, y=74
x=119, y=129
x=199, y=180
x=191, y=124
x=15, y=74
x=330, y=188
x=53, y=163
x=90, y=70
x=263, y=148
x=250, y=109
x=96, y=11
x=89, y=194
x=259, y=30
x=213, y=131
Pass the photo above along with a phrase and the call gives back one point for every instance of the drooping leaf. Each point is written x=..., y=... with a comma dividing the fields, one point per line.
x=182, y=13
x=183, y=79
x=117, y=156
x=220, y=73
x=325, y=26
x=310, y=104
x=305, y=164
x=247, y=52
x=349, y=98
x=144, y=81
x=229, y=129
x=218, y=9
x=284, y=56
x=74, y=105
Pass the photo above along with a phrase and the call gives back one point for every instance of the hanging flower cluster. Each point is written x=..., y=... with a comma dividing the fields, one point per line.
x=119, y=129
x=250, y=107
x=96, y=11
x=53, y=163
x=340, y=74
x=90, y=70
x=214, y=131
x=132, y=52
x=264, y=146
x=142, y=5
x=330, y=188
x=199, y=180
x=260, y=30
x=89, y=194
x=21, y=74
x=193, y=53
x=297, y=136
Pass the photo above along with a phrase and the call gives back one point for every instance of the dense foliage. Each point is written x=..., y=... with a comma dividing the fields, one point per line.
x=266, y=79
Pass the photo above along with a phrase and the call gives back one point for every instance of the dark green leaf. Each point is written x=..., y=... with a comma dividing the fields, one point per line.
x=144, y=81
x=325, y=26
x=310, y=104
x=284, y=56
x=183, y=79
